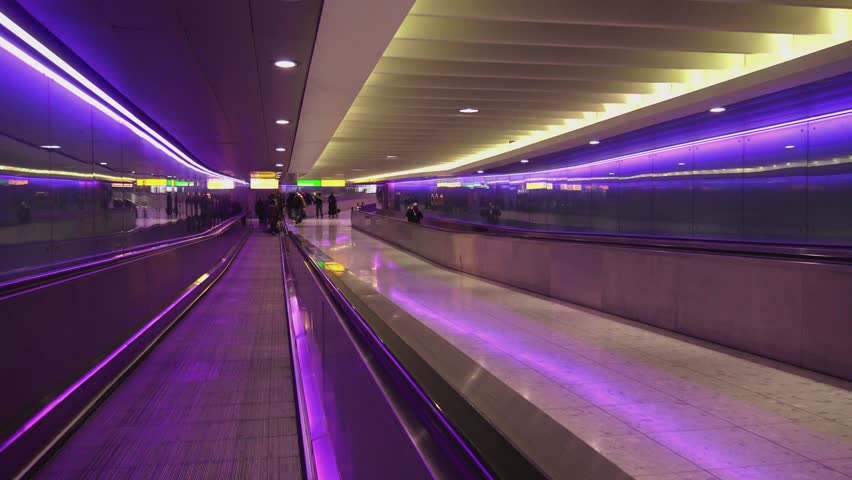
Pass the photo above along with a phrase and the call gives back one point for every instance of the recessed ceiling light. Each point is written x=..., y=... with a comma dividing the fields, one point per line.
x=279, y=164
x=612, y=173
x=525, y=161
x=104, y=163
x=282, y=122
x=285, y=64
x=480, y=171
x=390, y=156
x=469, y=110
x=789, y=146
x=680, y=164
x=51, y=147
x=134, y=171
x=280, y=149
x=717, y=109
x=594, y=142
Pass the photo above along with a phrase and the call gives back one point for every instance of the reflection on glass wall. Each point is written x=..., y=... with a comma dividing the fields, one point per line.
x=789, y=183
x=75, y=183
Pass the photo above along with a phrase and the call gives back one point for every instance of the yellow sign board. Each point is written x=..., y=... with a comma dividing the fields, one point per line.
x=220, y=184
x=262, y=175
x=151, y=182
x=332, y=183
x=264, y=183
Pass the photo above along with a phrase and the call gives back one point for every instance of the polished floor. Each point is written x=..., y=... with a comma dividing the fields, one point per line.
x=213, y=400
x=660, y=406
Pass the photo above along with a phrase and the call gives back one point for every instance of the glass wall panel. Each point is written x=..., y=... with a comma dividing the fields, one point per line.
x=829, y=206
x=775, y=185
x=672, y=173
x=68, y=180
x=786, y=183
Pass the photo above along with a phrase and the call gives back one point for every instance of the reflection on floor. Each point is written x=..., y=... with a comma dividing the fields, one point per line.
x=659, y=406
x=213, y=400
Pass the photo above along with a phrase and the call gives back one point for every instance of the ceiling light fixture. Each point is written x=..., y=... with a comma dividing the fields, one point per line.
x=594, y=142
x=788, y=147
x=125, y=118
x=469, y=110
x=525, y=161
x=279, y=164
x=717, y=109
x=286, y=63
x=391, y=156
x=480, y=171
x=282, y=122
x=280, y=149
x=51, y=147
x=104, y=163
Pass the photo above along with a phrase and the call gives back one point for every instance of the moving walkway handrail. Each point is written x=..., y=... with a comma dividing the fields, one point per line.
x=482, y=449
x=111, y=259
x=781, y=251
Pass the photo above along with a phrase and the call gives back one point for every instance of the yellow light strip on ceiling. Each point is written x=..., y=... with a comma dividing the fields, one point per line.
x=784, y=47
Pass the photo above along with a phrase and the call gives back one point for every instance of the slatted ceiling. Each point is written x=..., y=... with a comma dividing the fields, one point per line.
x=556, y=35
x=540, y=69
x=673, y=14
x=504, y=84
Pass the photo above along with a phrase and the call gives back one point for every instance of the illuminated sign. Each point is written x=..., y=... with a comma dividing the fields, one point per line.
x=14, y=182
x=539, y=186
x=264, y=183
x=449, y=184
x=122, y=185
x=151, y=182
x=220, y=184
x=309, y=183
x=571, y=187
x=183, y=183
x=332, y=183
x=262, y=174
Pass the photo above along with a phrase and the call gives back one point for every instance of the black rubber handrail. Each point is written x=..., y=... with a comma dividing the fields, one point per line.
x=490, y=453
x=793, y=252
x=112, y=259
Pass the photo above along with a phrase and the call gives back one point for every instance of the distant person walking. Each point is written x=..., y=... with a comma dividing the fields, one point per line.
x=260, y=211
x=332, y=206
x=273, y=213
x=413, y=214
x=299, y=207
x=318, y=204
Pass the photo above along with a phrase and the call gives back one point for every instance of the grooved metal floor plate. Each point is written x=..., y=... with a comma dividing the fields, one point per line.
x=213, y=400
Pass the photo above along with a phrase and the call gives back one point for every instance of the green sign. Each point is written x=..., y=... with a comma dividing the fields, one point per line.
x=308, y=183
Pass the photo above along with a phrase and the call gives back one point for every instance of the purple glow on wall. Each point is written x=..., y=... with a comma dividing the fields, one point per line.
x=123, y=117
x=554, y=175
x=305, y=368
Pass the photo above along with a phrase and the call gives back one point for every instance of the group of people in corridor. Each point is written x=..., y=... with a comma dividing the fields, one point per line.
x=270, y=213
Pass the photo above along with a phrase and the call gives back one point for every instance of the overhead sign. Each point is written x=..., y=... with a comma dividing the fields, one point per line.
x=264, y=183
x=220, y=184
x=151, y=182
x=262, y=174
x=308, y=183
x=332, y=183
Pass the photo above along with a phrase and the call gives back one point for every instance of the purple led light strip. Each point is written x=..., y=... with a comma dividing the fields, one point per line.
x=151, y=137
x=68, y=391
x=524, y=175
x=315, y=436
